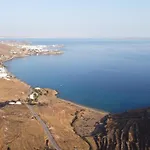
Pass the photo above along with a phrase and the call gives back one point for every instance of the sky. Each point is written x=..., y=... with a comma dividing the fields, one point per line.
x=75, y=18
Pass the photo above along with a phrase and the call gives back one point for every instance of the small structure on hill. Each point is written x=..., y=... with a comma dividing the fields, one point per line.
x=18, y=103
x=37, y=88
x=14, y=103
x=33, y=96
x=35, y=93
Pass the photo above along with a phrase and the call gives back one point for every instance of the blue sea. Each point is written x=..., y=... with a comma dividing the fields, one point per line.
x=112, y=75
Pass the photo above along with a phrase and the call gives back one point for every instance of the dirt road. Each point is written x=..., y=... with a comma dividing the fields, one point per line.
x=45, y=128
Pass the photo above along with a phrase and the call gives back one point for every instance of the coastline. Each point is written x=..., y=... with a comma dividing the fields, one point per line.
x=67, y=101
x=58, y=114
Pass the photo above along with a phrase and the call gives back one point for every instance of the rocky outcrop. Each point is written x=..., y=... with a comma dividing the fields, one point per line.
x=126, y=131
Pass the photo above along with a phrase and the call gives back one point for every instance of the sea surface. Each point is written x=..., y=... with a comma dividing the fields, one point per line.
x=112, y=75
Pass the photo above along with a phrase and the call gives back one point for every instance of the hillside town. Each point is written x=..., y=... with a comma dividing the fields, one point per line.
x=13, y=49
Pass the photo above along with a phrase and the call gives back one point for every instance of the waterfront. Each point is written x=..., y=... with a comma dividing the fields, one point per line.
x=105, y=74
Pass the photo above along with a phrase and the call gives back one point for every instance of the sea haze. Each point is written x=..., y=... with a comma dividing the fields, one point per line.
x=113, y=75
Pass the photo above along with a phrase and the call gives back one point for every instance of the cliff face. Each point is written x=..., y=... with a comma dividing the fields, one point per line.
x=125, y=131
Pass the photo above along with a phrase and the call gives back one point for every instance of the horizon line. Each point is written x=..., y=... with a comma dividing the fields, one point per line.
x=32, y=37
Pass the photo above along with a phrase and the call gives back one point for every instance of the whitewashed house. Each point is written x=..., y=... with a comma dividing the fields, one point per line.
x=33, y=96
x=18, y=103
x=3, y=73
x=15, y=103
x=11, y=103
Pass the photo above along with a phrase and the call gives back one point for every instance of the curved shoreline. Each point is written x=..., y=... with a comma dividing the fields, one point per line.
x=67, y=101
x=57, y=114
x=73, y=126
x=64, y=100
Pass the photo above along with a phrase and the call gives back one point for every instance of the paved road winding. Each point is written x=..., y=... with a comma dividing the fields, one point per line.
x=44, y=126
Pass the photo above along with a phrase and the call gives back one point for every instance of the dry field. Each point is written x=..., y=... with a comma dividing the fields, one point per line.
x=13, y=89
x=18, y=131
x=69, y=123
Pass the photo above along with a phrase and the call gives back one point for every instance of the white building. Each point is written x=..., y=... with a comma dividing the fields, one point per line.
x=34, y=47
x=3, y=73
x=37, y=88
x=15, y=103
x=2, y=69
x=32, y=96
x=18, y=103
x=12, y=103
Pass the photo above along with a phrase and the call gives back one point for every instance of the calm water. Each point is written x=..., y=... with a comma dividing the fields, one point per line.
x=113, y=75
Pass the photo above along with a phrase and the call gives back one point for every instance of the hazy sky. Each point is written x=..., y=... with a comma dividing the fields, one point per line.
x=75, y=18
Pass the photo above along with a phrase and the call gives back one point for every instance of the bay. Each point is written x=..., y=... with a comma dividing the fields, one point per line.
x=112, y=75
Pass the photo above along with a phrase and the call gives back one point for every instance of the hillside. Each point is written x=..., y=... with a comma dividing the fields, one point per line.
x=126, y=131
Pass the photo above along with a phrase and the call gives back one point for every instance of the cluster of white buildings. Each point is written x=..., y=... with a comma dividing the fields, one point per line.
x=40, y=48
x=33, y=47
x=56, y=46
x=3, y=72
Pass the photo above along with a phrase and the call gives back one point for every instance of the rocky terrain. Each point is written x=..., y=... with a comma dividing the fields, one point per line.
x=126, y=131
x=72, y=126
x=69, y=123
